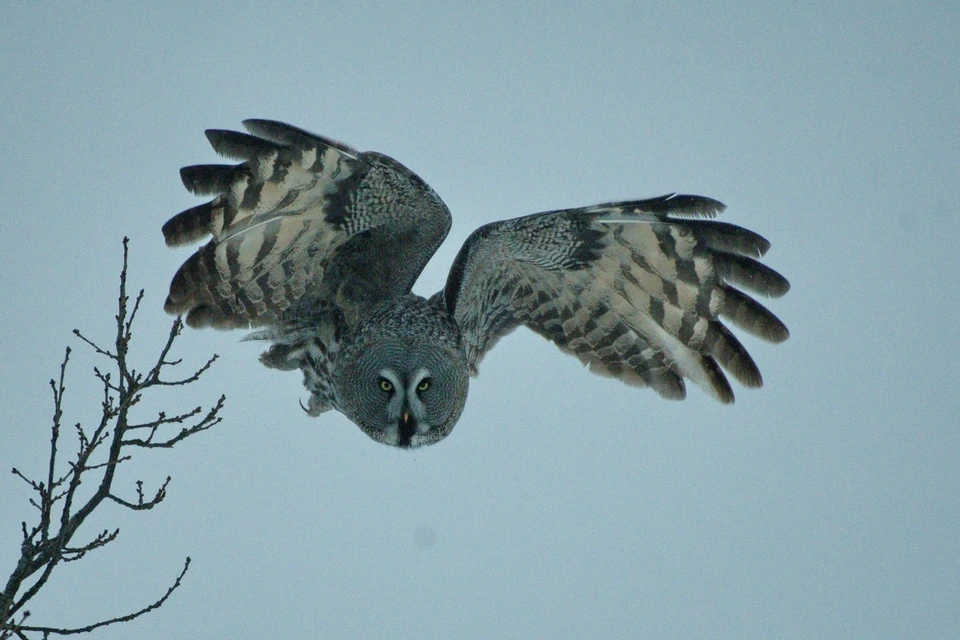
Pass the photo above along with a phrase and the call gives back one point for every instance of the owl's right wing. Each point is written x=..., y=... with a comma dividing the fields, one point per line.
x=636, y=290
x=301, y=223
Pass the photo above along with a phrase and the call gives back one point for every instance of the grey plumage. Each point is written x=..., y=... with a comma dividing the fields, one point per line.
x=319, y=245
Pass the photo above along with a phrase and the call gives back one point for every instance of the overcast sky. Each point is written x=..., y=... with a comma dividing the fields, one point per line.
x=563, y=505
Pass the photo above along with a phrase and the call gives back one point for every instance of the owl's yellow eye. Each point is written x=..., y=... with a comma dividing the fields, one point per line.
x=424, y=384
x=386, y=385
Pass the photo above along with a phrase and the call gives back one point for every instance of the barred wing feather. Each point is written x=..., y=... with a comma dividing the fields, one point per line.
x=301, y=221
x=636, y=290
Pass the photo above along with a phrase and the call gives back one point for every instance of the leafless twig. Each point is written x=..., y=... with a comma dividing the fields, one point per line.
x=101, y=449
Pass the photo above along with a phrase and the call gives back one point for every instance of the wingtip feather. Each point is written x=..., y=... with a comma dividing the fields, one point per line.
x=692, y=206
x=237, y=145
x=208, y=179
x=188, y=226
x=283, y=133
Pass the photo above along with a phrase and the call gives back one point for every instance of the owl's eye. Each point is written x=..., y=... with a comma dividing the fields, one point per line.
x=424, y=384
x=385, y=385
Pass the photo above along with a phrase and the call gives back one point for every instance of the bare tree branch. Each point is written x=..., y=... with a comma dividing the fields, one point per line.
x=101, y=448
x=20, y=629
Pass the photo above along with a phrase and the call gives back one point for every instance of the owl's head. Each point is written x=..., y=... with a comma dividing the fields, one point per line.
x=403, y=383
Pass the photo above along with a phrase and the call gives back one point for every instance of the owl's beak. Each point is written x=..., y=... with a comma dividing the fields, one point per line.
x=405, y=430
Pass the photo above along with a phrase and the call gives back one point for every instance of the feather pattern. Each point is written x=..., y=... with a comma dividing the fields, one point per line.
x=633, y=292
x=280, y=220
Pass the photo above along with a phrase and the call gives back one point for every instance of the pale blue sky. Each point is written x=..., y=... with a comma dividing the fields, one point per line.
x=824, y=505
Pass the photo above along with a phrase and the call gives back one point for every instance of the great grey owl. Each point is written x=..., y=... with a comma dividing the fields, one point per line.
x=319, y=245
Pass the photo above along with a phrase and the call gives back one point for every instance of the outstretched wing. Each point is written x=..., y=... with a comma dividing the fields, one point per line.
x=633, y=289
x=303, y=222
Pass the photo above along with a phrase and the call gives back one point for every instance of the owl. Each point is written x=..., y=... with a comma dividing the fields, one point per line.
x=317, y=246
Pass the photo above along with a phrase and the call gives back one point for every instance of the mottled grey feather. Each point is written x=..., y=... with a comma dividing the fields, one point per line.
x=631, y=291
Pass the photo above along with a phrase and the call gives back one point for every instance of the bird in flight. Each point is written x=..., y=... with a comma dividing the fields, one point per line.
x=317, y=246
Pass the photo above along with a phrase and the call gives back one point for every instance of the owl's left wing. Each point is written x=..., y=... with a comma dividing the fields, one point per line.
x=636, y=290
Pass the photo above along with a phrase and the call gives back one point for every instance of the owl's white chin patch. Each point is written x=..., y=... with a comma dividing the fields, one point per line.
x=424, y=438
x=405, y=436
x=388, y=435
x=423, y=430
x=393, y=435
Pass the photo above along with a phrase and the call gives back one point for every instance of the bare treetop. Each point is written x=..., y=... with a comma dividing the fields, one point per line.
x=61, y=511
